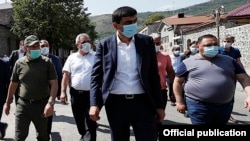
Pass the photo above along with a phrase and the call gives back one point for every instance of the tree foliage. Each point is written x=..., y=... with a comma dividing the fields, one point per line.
x=154, y=17
x=58, y=21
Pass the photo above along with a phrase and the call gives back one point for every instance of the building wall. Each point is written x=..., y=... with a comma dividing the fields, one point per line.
x=242, y=39
x=8, y=41
x=167, y=36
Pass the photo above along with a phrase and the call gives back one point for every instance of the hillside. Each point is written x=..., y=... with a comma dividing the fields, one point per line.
x=104, y=25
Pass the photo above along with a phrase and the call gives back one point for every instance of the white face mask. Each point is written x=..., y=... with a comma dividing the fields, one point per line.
x=227, y=45
x=157, y=48
x=45, y=50
x=86, y=47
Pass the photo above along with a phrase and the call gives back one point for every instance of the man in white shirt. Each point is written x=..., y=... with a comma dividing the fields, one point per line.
x=76, y=75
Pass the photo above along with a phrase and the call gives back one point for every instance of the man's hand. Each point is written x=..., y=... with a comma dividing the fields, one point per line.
x=160, y=115
x=247, y=103
x=48, y=110
x=64, y=98
x=94, y=113
x=6, y=108
x=181, y=107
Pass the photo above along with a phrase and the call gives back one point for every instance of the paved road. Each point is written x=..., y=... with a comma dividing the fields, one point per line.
x=64, y=128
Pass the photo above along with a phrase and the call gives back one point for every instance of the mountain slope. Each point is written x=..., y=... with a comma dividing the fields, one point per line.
x=104, y=23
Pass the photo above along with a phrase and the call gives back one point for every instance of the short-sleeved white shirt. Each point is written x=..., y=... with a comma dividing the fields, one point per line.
x=80, y=68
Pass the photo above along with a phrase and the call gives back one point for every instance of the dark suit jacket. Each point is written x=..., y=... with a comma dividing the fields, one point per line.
x=58, y=66
x=105, y=66
x=4, y=83
x=13, y=58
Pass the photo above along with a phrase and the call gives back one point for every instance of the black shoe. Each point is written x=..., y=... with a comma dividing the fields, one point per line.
x=81, y=139
x=186, y=114
x=3, y=127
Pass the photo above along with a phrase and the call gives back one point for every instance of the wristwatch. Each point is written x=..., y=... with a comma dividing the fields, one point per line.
x=51, y=102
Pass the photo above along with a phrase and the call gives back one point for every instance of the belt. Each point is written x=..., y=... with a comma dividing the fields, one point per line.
x=32, y=101
x=128, y=96
x=79, y=91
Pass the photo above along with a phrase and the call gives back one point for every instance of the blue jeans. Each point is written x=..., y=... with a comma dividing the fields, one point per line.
x=208, y=113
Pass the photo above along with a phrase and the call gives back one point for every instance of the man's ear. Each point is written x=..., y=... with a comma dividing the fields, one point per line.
x=115, y=25
x=25, y=48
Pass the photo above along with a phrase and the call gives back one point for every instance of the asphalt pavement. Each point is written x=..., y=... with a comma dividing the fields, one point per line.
x=64, y=127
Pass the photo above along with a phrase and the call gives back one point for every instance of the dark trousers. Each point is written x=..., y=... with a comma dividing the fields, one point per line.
x=137, y=112
x=164, y=93
x=171, y=92
x=30, y=112
x=50, y=119
x=80, y=107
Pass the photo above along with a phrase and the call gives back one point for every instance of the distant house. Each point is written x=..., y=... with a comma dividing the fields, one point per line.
x=235, y=22
x=171, y=29
x=240, y=16
x=8, y=41
x=150, y=28
x=182, y=29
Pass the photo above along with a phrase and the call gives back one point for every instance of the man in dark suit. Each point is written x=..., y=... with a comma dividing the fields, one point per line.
x=14, y=56
x=4, y=83
x=44, y=44
x=125, y=78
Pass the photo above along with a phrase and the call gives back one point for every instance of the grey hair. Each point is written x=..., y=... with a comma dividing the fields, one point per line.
x=80, y=35
x=228, y=36
x=155, y=35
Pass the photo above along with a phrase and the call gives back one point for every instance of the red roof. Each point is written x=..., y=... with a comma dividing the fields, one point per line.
x=186, y=20
x=241, y=11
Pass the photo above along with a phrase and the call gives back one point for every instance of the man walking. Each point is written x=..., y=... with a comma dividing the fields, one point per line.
x=125, y=78
x=76, y=76
x=34, y=73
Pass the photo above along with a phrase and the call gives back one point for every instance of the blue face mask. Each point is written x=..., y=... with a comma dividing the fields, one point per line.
x=129, y=30
x=177, y=52
x=35, y=54
x=211, y=51
x=193, y=50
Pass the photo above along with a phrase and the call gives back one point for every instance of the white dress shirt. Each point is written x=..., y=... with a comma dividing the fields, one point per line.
x=126, y=80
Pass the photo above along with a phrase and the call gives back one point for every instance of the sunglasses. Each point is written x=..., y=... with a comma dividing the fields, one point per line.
x=85, y=42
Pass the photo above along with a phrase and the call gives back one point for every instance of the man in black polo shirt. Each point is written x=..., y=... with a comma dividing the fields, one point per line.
x=33, y=74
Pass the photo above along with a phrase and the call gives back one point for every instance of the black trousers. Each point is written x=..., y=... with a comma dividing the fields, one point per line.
x=164, y=93
x=133, y=111
x=80, y=107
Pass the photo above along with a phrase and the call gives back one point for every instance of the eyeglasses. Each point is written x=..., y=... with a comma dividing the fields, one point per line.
x=157, y=43
x=85, y=42
x=43, y=45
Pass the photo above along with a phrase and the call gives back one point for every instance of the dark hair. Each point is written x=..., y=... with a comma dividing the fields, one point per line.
x=205, y=36
x=192, y=43
x=124, y=11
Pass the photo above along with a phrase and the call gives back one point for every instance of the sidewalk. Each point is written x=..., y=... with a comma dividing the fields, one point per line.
x=64, y=128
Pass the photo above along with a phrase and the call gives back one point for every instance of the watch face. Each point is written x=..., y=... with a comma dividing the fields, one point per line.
x=51, y=102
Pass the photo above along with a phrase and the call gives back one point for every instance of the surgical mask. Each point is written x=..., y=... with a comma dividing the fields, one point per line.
x=34, y=54
x=193, y=50
x=227, y=45
x=45, y=50
x=86, y=47
x=211, y=51
x=129, y=30
x=177, y=52
x=157, y=48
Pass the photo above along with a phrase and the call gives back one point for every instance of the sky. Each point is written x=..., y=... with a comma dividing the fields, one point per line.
x=99, y=7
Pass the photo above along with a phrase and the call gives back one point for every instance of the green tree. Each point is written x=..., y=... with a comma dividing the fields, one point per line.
x=58, y=21
x=152, y=18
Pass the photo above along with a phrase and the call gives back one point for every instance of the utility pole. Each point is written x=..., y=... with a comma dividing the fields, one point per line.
x=217, y=13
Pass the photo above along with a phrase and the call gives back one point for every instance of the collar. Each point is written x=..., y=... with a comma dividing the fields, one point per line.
x=119, y=40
